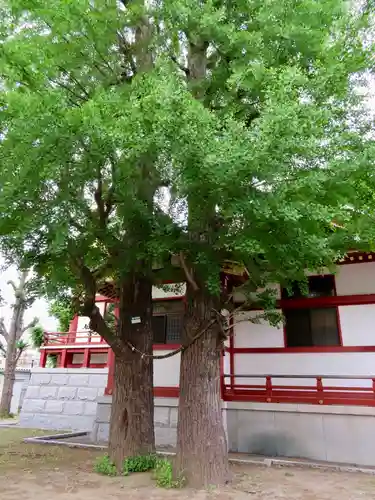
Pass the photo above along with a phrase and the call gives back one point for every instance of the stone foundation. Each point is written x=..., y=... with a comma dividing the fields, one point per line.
x=165, y=420
x=62, y=398
x=72, y=399
x=343, y=434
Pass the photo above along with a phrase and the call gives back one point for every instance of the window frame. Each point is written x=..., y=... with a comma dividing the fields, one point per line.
x=165, y=346
x=316, y=302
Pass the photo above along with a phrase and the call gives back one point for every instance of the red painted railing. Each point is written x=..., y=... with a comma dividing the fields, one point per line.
x=73, y=338
x=321, y=391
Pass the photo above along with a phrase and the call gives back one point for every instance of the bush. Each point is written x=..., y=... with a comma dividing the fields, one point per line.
x=105, y=466
x=139, y=464
x=164, y=475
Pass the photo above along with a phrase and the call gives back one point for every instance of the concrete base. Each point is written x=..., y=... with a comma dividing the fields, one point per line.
x=343, y=434
x=165, y=420
x=72, y=399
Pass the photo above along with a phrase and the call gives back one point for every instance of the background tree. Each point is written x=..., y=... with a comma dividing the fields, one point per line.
x=62, y=309
x=239, y=135
x=12, y=345
x=92, y=185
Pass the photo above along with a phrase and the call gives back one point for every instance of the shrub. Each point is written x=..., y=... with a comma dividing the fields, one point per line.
x=105, y=466
x=164, y=475
x=141, y=463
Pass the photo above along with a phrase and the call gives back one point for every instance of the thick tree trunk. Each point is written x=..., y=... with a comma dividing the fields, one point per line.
x=132, y=417
x=9, y=377
x=202, y=455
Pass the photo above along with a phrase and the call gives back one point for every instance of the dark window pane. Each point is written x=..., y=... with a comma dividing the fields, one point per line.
x=174, y=328
x=318, y=286
x=324, y=327
x=321, y=286
x=311, y=327
x=159, y=324
x=297, y=328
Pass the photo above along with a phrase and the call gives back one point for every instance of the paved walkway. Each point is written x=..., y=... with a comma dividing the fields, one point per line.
x=9, y=422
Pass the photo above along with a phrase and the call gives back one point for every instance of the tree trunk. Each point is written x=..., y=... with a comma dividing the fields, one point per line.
x=9, y=378
x=132, y=417
x=202, y=454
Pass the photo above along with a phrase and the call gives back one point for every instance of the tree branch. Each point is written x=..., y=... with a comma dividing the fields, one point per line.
x=3, y=330
x=91, y=310
x=189, y=276
x=3, y=351
x=13, y=285
x=32, y=323
x=179, y=65
x=98, y=195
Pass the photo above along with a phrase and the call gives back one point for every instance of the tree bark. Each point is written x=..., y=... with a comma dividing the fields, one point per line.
x=132, y=417
x=9, y=377
x=12, y=337
x=202, y=454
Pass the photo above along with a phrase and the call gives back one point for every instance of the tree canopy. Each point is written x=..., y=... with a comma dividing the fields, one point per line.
x=276, y=146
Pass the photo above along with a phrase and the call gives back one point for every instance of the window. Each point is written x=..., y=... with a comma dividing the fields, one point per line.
x=167, y=321
x=315, y=326
x=318, y=286
x=311, y=327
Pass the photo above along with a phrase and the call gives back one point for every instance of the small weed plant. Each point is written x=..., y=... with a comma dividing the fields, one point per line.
x=105, y=466
x=163, y=471
x=163, y=474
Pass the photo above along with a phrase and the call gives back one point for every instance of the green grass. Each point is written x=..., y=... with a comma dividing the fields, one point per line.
x=14, y=453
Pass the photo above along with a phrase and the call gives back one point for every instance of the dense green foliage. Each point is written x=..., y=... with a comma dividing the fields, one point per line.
x=37, y=336
x=63, y=312
x=274, y=148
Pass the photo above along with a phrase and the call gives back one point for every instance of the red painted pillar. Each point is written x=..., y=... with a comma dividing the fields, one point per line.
x=43, y=358
x=231, y=353
x=63, y=359
x=111, y=372
x=86, y=358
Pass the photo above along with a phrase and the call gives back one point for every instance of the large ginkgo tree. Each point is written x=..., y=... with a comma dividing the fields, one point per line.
x=135, y=135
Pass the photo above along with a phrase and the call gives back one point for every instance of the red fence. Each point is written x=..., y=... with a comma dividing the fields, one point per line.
x=74, y=338
x=322, y=391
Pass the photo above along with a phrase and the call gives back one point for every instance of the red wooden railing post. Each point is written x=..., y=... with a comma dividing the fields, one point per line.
x=319, y=388
x=86, y=358
x=43, y=358
x=63, y=358
x=268, y=389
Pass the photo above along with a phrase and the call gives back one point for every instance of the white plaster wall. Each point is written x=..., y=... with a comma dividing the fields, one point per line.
x=83, y=322
x=159, y=293
x=317, y=364
x=166, y=371
x=357, y=324
x=356, y=279
x=247, y=334
x=240, y=297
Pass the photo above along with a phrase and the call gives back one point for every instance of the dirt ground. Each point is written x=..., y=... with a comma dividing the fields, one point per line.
x=38, y=472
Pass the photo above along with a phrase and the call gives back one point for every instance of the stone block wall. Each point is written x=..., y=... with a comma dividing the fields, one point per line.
x=165, y=420
x=63, y=398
